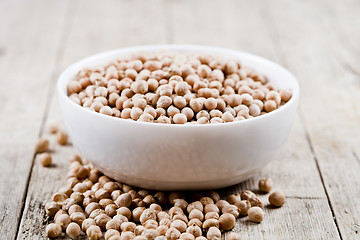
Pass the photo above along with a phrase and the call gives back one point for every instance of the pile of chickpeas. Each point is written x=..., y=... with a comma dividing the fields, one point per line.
x=179, y=88
x=94, y=205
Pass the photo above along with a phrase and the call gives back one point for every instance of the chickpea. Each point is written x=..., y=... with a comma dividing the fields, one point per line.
x=180, y=102
x=211, y=215
x=179, y=225
x=277, y=198
x=147, y=214
x=196, y=104
x=149, y=234
x=87, y=223
x=265, y=184
x=124, y=200
x=256, y=214
x=53, y=128
x=51, y=208
x=243, y=207
x=195, y=213
x=196, y=222
x=78, y=217
x=213, y=234
x=73, y=230
x=172, y=234
x=246, y=194
x=124, y=211
x=227, y=221
x=211, y=208
x=270, y=105
x=208, y=223
x=181, y=217
x=110, y=233
x=255, y=201
x=53, y=230
x=285, y=94
x=63, y=220
x=231, y=209
x=42, y=145
x=187, y=236
x=62, y=138
x=128, y=226
x=94, y=232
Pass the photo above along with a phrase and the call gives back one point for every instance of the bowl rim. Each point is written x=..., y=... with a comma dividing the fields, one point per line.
x=76, y=66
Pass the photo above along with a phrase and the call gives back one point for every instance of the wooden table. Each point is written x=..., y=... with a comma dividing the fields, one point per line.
x=318, y=169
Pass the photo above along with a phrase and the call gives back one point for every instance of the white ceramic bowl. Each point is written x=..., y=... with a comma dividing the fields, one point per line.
x=179, y=157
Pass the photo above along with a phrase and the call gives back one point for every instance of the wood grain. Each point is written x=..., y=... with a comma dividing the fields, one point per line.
x=316, y=40
x=328, y=110
x=298, y=177
x=109, y=33
x=27, y=62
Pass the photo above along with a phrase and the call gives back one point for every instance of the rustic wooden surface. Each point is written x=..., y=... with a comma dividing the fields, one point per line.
x=319, y=166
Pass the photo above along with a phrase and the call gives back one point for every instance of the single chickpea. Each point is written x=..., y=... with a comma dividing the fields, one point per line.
x=285, y=94
x=163, y=119
x=195, y=213
x=265, y=184
x=179, y=225
x=246, y=194
x=153, y=84
x=231, y=209
x=78, y=217
x=181, y=88
x=163, y=215
x=277, y=198
x=151, y=224
x=213, y=233
x=275, y=96
x=75, y=158
x=124, y=211
x=147, y=214
x=180, y=102
x=125, y=236
x=113, y=224
x=128, y=226
x=188, y=112
x=165, y=90
x=255, y=201
x=208, y=223
x=94, y=232
x=221, y=203
x=227, y=221
x=140, y=86
x=256, y=214
x=136, y=113
x=196, y=222
x=161, y=230
x=146, y=117
x=181, y=217
x=62, y=138
x=91, y=207
x=180, y=118
x=194, y=230
x=136, y=213
x=63, y=220
x=110, y=233
x=212, y=215
x=227, y=117
x=150, y=234
x=45, y=159
x=196, y=104
x=201, y=238
x=139, y=230
x=124, y=200
x=102, y=219
x=234, y=198
x=254, y=110
x=53, y=128
x=243, y=207
x=73, y=230
x=53, y=230
x=171, y=111
x=187, y=236
x=164, y=102
x=87, y=223
x=126, y=113
x=42, y=145
x=74, y=87
x=120, y=218
x=152, y=65
x=51, y=208
x=155, y=207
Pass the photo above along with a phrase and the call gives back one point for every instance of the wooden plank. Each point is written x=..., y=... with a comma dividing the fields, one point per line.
x=330, y=92
x=29, y=39
x=88, y=35
x=244, y=25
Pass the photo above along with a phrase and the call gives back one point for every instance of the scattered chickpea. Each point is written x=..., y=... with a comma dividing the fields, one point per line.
x=265, y=184
x=53, y=230
x=227, y=221
x=42, y=145
x=62, y=138
x=256, y=214
x=94, y=232
x=277, y=198
x=213, y=233
x=53, y=128
x=73, y=230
